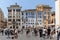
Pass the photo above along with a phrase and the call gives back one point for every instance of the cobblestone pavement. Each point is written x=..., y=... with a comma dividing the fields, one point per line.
x=24, y=37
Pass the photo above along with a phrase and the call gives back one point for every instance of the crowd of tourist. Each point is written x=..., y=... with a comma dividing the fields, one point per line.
x=42, y=32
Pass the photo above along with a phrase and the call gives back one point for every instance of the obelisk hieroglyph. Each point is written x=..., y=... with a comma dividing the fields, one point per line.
x=57, y=13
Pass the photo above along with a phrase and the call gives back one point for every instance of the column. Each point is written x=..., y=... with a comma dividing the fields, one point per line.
x=57, y=13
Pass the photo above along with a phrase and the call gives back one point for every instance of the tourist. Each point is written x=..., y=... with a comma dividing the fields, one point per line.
x=16, y=34
x=23, y=27
x=44, y=32
x=2, y=32
x=51, y=34
x=35, y=31
x=40, y=32
x=58, y=34
x=48, y=32
x=8, y=33
x=27, y=31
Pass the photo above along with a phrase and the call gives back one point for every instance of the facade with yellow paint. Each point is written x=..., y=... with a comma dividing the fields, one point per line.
x=38, y=17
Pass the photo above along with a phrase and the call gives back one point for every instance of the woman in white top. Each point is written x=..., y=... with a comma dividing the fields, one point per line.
x=16, y=33
x=44, y=32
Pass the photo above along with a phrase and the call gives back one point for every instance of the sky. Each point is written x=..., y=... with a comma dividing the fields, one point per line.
x=25, y=4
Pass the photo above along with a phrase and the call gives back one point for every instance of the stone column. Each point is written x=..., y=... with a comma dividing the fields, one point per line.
x=57, y=13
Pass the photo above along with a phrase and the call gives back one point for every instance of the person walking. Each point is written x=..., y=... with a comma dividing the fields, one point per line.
x=8, y=33
x=27, y=31
x=2, y=32
x=35, y=31
x=40, y=32
x=48, y=32
x=23, y=27
x=51, y=34
x=16, y=34
x=44, y=32
x=58, y=34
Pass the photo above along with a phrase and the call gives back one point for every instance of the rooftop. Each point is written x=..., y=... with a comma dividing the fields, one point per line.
x=16, y=5
x=30, y=10
x=44, y=6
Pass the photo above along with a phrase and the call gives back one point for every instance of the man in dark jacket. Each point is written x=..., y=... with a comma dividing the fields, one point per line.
x=40, y=32
x=58, y=34
x=48, y=32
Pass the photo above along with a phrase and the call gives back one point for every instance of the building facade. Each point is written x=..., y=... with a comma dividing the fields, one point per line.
x=39, y=17
x=1, y=18
x=57, y=12
x=4, y=23
x=14, y=16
